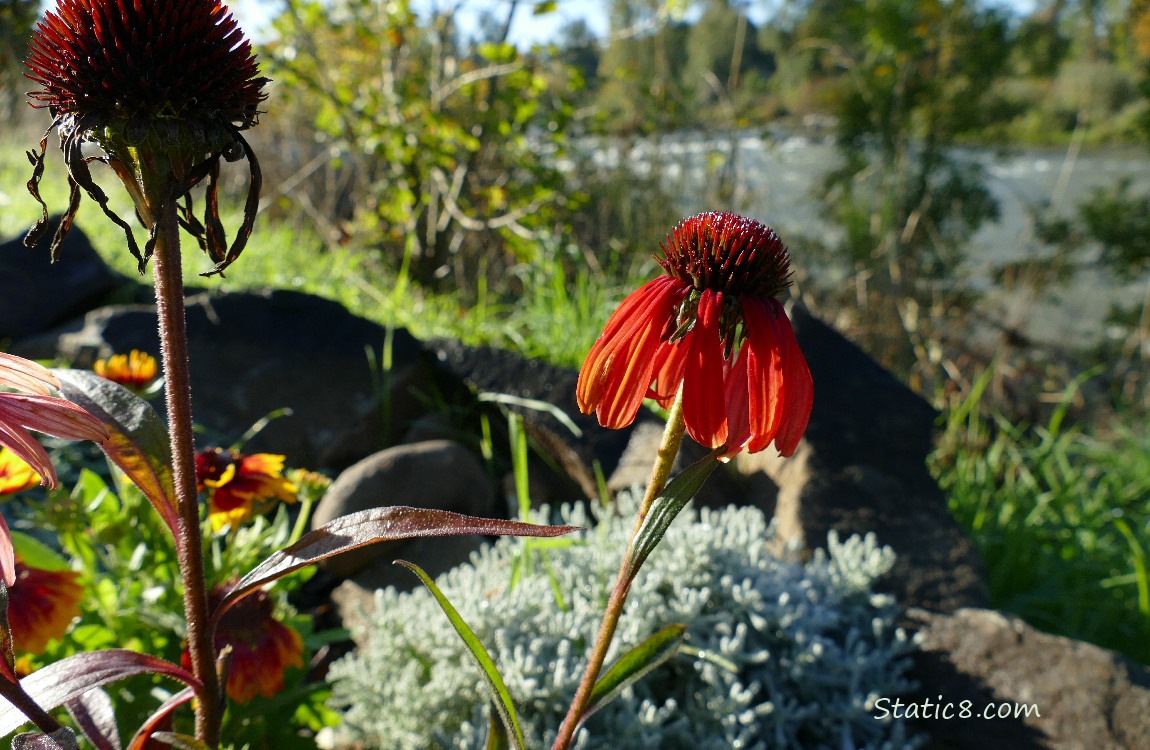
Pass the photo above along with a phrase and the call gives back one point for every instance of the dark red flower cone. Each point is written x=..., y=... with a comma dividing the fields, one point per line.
x=164, y=89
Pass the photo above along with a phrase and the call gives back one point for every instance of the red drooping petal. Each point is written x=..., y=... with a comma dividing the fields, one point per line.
x=670, y=364
x=736, y=398
x=704, y=402
x=765, y=382
x=798, y=388
x=25, y=375
x=7, y=555
x=618, y=369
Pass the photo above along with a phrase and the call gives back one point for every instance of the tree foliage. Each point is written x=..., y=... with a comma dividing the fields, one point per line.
x=453, y=149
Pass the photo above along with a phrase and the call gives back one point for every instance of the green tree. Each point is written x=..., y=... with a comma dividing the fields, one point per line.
x=17, y=17
x=905, y=80
x=441, y=142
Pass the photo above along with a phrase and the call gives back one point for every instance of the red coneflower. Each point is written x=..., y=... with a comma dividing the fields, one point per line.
x=263, y=648
x=711, y=325
x=41, y=605
x=163, y=88
x=241, y=485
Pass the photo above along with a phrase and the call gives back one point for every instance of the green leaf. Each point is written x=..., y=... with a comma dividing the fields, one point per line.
x=36, y=554
x=496, y=733
x=544, y=7
x=502, y=699
x=667, y=505
x=138, y=444
x=633, y=665
x=179, y=741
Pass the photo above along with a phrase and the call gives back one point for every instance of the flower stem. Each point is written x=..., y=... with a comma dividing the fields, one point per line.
x=189, y=543
x=664, y=461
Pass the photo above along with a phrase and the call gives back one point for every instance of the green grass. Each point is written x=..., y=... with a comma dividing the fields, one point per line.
x=1061, y=517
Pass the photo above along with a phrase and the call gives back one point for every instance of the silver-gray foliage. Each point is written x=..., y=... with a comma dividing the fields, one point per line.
x=781, y=654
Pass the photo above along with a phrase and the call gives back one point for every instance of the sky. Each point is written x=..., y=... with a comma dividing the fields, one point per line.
x=526, y=28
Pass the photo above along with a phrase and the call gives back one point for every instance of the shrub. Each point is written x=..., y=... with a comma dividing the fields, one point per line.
x=780, y=654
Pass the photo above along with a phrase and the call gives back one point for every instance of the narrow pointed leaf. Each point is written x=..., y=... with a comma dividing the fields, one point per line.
x=75, y=675
x=500, y=696
x=496, y=733
x=666, y=507
x=62, y=739
x=138, y=443
x=179, y=741
x=95, y=717
x=633, y=665
x=161, y=719
x=366, y=527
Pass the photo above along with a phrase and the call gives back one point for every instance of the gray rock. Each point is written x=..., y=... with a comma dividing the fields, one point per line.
x=1086, y=697
x=36, y=294
x=436, y=474
x=861, y=467
x=253, y=353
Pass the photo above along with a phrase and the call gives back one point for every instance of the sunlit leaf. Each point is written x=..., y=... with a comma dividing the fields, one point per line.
x=161, y=719
x=501, y=698
x=366, y=527
x=36, y=554
x=496, y=733
x=139, y=441
x=95, y=717
x=667, y=505
x=633, y=665
x=62, y=739
x=179, y=741
x=75, y=675
x=544, y=7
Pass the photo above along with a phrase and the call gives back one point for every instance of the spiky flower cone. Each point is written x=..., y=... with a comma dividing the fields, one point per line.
x=164, y=88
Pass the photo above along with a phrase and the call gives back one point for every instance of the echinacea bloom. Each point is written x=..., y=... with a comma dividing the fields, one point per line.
x=262, y=647
x=28, y=404
x=712, y=325
x=41, y=605
x=163, y=88
x=15, y=473
x=135, y=371
x=240, y=485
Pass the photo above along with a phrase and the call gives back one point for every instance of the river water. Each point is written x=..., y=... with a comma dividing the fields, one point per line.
x=778, y=176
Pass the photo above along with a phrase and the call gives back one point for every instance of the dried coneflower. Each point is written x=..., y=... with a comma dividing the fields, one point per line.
x=163, y=89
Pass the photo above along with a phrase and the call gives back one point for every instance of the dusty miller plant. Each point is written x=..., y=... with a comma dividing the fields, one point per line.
x=779, y=653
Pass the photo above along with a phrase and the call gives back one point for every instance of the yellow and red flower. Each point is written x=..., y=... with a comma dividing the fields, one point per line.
x=15, y=473
x=262, y=647
x=711, y=325
x=135, y=371
x=241, y=486
x=41, y=606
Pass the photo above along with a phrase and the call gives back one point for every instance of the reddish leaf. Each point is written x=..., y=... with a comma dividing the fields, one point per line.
x=161, y=720
x=139, y=441
x=75, y=675
x=95, y=717
x=368, y=527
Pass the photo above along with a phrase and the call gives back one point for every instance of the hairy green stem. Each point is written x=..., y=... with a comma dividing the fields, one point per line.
x=189, y=542
x=664, y=461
